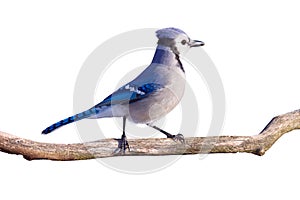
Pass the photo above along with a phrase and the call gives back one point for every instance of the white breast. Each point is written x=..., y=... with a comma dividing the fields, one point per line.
x=162, y=102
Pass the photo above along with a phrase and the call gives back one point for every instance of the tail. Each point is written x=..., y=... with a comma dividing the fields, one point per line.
x=77, y=117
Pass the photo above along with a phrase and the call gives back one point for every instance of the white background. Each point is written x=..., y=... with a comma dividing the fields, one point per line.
x=254, y=44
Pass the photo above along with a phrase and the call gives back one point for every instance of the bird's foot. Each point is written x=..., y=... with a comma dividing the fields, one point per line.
x=177, y=138
x=122, y=146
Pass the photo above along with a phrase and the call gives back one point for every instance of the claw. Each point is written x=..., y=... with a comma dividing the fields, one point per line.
x=122, y=146
x=178, y=138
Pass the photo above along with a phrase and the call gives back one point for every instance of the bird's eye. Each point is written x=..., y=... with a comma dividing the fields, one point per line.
x=183, y=42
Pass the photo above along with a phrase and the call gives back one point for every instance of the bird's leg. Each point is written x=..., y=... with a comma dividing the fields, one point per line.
x=123, y=143
x=179, y=137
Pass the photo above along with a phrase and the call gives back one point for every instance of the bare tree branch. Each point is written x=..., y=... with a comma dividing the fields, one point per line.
x=257, y=144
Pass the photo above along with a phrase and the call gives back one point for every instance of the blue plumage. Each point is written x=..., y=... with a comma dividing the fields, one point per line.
x=149, y=88
x=152, y=94
x=129, y=94
x=162, y=56
x=125, y=95
x=170, y=33
x=69, y=120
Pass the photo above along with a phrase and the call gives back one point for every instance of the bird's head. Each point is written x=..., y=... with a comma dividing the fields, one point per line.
x=176, y=39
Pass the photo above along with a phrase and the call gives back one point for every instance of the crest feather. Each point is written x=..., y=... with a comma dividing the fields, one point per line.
x=170, y=33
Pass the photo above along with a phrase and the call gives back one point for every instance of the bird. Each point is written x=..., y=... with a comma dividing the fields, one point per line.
x=149, y=96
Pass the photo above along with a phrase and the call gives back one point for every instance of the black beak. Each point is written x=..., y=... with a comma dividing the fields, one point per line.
x=196, y=43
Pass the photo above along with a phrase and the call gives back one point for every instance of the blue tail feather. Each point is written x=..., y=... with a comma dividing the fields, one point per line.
x=69, y=120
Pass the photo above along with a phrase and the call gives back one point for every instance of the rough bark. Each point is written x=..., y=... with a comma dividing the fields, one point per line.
x=256, y=144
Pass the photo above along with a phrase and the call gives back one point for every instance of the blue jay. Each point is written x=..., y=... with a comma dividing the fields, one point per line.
x=152, y=94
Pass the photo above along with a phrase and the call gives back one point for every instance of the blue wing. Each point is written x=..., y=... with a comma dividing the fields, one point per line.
x=130, y=93
x=125, y=95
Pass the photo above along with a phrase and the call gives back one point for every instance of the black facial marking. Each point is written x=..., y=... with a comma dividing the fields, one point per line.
x=179, y=62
